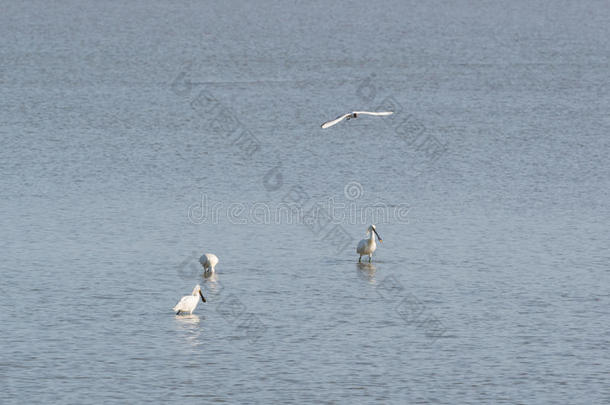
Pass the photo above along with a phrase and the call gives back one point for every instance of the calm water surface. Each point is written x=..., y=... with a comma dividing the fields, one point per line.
x=491, y=286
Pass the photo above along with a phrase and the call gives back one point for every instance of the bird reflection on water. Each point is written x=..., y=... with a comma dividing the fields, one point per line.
x=366, y=271
x=190, y=326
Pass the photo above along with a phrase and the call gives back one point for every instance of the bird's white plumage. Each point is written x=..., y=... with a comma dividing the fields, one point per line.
x=354, y=114
x=335, y=121
x=377, y=113
x=208, y=261
x=367, y=246
x=188, y=303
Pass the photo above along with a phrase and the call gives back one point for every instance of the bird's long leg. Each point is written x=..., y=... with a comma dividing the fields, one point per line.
x=360, y=259
x=370, y=258
x=178, y=313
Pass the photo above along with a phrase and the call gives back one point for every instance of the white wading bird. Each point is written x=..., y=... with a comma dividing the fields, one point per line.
x=368, y=246
x=208, y=261
x=188, y=303
x=354, y=114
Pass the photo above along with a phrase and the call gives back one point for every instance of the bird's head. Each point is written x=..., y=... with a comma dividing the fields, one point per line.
x=372, y=228
x=197, y=290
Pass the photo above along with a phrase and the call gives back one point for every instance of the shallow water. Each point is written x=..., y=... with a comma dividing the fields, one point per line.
x=490, y=286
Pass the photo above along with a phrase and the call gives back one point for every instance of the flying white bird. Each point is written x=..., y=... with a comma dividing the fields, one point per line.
x=368, y=246
x=354, y=114
x=188, y=303
x=208, y=261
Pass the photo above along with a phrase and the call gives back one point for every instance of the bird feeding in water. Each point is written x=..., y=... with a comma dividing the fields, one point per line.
x=188, y=303
x=354, y=114
x=367, y=246
x=208, y=261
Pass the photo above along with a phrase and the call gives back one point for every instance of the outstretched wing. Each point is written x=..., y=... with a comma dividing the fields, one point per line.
x=335, y=121
x=380, y=113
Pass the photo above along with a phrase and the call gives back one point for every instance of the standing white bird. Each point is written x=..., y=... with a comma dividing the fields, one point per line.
x=188, y=303
x=354, y=114
x=367, y=246
x=208, y=261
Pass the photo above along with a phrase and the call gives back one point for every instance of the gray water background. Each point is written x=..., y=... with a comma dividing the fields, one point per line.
x=504, y=248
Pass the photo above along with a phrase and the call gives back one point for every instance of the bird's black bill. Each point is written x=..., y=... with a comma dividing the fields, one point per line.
x=378, y=237
x=202, y=297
